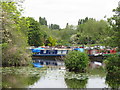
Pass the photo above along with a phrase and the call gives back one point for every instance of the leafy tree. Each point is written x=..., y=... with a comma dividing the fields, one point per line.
x=14, y=41
x=42, y=21
x=113, y=80
x=36, y=34
x=113, y=71
x=67, y=25
x=70, y=27
x=92, y=31
x=115, y=24
x=54, y=26
x=113, y=63
x=82, y=21
x=51, y=42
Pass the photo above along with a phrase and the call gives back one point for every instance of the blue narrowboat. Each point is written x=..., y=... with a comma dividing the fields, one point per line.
x=50, y=52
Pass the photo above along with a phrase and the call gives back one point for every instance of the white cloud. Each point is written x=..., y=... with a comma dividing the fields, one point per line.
x=68, y=11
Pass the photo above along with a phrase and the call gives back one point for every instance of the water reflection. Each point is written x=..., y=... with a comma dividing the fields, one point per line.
x=76, y=83
x=74, y=80
x=96, y=82
x=57, y=77
x=54, y=78
x=113, y=80
x=21, y=78
x=18, y=81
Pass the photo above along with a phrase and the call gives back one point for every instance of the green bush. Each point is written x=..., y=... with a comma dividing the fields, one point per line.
x=113, y=80
x=113, y=63
x=76, y=61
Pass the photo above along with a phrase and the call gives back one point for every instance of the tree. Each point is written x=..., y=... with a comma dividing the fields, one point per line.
x=113, y=71
x=35, y=34
x=51, y=41
x=67, y=25
x=42, y=21
x=54, y=26
x=92, y=31
x=14, y=41
x=82, y=21
x=115, y=24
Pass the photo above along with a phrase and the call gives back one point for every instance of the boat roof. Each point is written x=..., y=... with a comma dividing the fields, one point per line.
x=56, y=49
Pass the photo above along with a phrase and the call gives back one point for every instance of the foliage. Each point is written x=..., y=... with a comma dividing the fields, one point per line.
x=115, y=26
x=113, y=80
x=113, y=63
x=20, y=77
x=76, y=61
x=54, y=27
x=91, y=32
x=62, y=36
x=35, y=34
x=76, y=83
x=70, y=27
x=63, y=42
x=97, y=71
x=42, y=21
x=76, y=80
x=50, y=42
x=14, y=41
x=38, y=34
x=113, y=71
x=82, y=21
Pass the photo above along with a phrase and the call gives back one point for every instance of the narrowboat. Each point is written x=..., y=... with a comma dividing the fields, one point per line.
x=51, y=52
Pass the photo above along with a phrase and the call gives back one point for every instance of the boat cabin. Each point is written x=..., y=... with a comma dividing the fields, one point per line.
x=92, y=51
x=51, y=52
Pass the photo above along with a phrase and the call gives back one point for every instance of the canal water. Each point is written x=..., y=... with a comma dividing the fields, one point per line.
x=56, y=76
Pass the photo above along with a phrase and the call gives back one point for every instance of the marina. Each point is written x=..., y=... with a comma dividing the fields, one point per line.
x=53, y=53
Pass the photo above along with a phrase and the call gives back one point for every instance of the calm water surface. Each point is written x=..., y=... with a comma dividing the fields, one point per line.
x=56, y=77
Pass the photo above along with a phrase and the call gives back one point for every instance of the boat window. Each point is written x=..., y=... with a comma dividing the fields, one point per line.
x=93, y=52
x=59, y=52
x=108, y=51
x=64, y=52
x=44, y=51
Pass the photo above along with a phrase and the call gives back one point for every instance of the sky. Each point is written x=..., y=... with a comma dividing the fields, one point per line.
x=62, y=12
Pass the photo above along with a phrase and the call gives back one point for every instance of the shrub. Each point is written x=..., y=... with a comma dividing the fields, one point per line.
x=113, y=71
x=113, y=80
x=113, y=63
x=76, y=61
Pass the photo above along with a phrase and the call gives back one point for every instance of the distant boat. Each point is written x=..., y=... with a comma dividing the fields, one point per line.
x=62, y=68
x=98, y=63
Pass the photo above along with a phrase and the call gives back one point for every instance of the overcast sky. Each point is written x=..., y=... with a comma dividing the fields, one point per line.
x=69, y=11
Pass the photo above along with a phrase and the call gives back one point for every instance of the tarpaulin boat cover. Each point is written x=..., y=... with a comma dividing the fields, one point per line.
x=37, y=65
x=79, y=49
x=36, y=49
